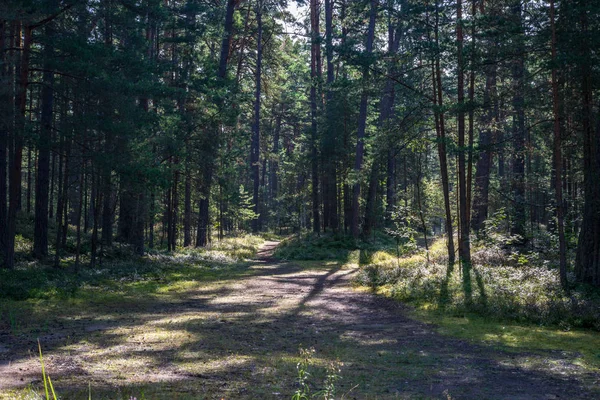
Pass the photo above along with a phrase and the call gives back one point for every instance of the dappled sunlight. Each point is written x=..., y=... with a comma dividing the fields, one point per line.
x=240, y=339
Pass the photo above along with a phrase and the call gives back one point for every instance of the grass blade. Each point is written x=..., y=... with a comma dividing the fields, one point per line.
x=43, y=370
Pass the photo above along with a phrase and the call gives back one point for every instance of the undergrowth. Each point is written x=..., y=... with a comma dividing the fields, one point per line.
x=333, y=246
x=523, y=288
x=508, y=285
x=32, y=280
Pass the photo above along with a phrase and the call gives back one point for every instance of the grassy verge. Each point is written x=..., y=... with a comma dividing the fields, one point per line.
x=517, y=302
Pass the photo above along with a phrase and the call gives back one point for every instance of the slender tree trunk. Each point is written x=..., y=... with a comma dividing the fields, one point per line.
x=464, y=248
x=174, y=207
x=5, y=124
x=362, y=124
x=255, y=145
x=40, y=237
x=471, y=112
x=96, y=215
x=587, y=263
x=60, y=201
x=557, y=154
x=17, y=158
x=441, y=139
x=315, y=76
x=206, y=182
x=518, y=159
x=80, y=207
x=484, y=162
x=330, y=152
x=187, y=209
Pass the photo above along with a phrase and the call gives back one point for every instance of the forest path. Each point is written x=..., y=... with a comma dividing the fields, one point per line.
x=239, y=339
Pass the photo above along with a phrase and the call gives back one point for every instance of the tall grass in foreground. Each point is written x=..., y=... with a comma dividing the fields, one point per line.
x=46, y=377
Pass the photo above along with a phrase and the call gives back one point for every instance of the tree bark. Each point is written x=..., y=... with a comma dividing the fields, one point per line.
x=17, y=141
x=206, y=182
x=315, y=76
x=557, y=154
x=464, y=248
x=255, y=145
x=587, y=263
x=441, y=139
x=518, y=103
x=362, y=123
x=5, y=118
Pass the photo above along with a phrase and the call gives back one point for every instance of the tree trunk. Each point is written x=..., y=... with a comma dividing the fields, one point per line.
x=441, y=139
x=484, y=162
x=187, y=209
x=518, y=159
x=362, y=124
x=255, y=145
x=557, y=154
x=206, y=182
x=464, y=248
x=5, y=118
x=330, y=151
x=587, y=263
x=315, y=76
x=18, y=137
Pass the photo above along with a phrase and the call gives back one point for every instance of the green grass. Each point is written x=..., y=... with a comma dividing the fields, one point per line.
x=518, y=304
x=516, y=307
x=582, y=345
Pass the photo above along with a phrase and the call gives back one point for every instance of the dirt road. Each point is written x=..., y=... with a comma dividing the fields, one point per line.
x=240, y=338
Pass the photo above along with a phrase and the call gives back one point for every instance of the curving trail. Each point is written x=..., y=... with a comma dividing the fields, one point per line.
x=240, y=338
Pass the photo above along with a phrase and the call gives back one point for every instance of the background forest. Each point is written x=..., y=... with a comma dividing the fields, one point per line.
x=167, y=124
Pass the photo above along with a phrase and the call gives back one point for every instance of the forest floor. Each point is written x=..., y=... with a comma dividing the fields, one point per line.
x=238, y=336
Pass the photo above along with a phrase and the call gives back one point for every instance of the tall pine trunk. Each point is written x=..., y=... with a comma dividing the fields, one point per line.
x=315, y=76
x=464, y=248
x=518, y=103
x=587, y=263
x=206, y=181
x=17, y=146
x=255, y=145
x=441, y=138
x=557, y=155
x=362, y=123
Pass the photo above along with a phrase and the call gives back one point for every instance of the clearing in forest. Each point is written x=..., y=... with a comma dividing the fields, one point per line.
x=238, y=335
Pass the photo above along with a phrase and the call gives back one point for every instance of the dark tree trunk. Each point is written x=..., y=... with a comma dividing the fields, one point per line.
x=255, y=145
x=518, y=159
x=557, y=154
x=362, y=124
x=5, y=118
x=464, y=248
x=484, y=162
x=17, y=152
x=187, y=210
x=370, y=208
x=330, y=152
x=315, y=76
x=386, y=114
x=107, y=209
x=172, y=237
x=441, y=139
x=206, y=182
x=587, y=263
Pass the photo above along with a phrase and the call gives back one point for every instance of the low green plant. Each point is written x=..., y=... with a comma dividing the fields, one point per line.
x=303, y=391
x=332, y=376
